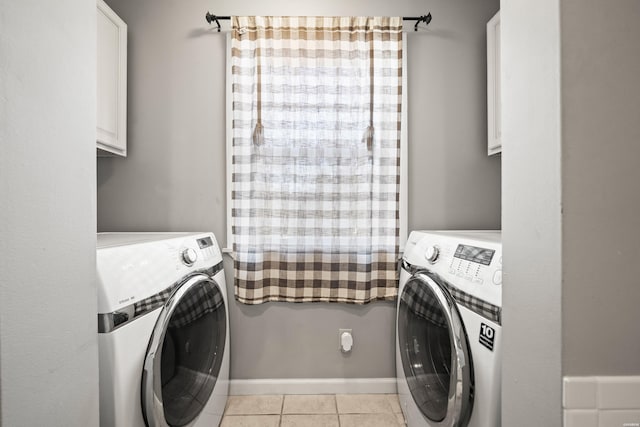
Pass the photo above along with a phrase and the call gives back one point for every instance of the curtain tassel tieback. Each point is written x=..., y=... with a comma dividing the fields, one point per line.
x=368, y=136
x=258, y=135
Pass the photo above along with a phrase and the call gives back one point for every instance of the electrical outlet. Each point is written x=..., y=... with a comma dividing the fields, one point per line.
x=347, y=346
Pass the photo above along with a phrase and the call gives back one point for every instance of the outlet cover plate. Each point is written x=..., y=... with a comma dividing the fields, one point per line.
x=340, y=331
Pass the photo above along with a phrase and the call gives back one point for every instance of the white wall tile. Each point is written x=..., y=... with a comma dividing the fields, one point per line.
x=580, y=393
x=619, y=393
x=601, y=401
x=619, y=418
x=581, y=418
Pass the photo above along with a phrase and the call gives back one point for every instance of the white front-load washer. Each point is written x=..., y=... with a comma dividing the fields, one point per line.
x=163, y=331
x=448, y=329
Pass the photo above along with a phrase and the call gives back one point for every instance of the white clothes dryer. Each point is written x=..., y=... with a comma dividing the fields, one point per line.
x=163, y=332
x=448, y=339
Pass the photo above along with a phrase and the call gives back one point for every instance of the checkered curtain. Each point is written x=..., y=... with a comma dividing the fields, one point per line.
x=316, y=158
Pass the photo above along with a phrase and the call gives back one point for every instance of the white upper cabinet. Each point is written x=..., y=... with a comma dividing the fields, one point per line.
x=494, y=107
x=112, y=82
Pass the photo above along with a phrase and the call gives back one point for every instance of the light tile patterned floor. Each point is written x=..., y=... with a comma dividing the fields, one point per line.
x=326, y=410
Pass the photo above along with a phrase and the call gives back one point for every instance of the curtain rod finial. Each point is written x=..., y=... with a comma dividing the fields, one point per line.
x=212, y=18
x=424, y=18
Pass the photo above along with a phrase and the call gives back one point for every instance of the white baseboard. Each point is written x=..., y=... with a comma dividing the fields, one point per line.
x=313, y=386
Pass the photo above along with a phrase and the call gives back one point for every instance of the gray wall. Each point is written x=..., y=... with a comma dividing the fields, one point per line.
x=174, y=176
x=570, y=199
x=48, y=340
x=531, y=213
x=600, y=178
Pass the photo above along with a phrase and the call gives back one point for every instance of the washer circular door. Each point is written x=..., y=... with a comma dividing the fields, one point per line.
x=184, y=355
x=435, y=352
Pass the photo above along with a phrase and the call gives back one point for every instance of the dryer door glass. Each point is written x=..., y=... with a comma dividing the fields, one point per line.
x=192, y=327
x=434, y=352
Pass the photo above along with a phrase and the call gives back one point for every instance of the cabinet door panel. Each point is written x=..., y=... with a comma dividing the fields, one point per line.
x=111, y=81
x=494, y=108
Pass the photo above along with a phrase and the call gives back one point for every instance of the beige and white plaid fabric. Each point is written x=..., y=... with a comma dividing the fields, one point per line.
x=314, y=209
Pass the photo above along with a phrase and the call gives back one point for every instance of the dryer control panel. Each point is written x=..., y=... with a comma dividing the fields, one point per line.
x=469, y=260
x=208, y=247
x=472, y=262
x=135, y=266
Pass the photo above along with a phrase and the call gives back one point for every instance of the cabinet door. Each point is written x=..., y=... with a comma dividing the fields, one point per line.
x=111, y=81
x=494, y=108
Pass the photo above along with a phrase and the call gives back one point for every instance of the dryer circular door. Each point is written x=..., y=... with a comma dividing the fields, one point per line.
x=185, y=353
x=435, y=352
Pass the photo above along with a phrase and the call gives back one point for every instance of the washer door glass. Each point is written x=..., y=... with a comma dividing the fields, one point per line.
x=434, y=352
x=185, y=354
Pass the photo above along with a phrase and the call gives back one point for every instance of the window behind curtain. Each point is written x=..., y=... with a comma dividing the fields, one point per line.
x=315, y=206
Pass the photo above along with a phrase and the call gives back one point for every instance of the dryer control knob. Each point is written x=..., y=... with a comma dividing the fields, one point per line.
x=432, y=253
x=189, y=256
x=497, y=277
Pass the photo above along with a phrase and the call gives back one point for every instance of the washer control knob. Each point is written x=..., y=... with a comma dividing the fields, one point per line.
x=189, y=256
x=432, y=253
